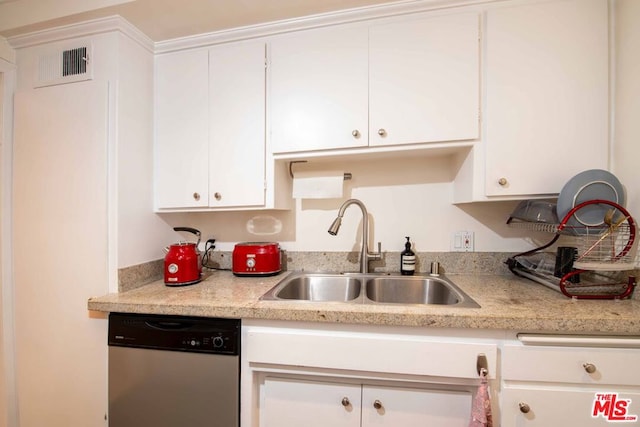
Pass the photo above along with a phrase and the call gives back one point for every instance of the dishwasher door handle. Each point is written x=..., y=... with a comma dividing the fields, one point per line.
x=169, y=325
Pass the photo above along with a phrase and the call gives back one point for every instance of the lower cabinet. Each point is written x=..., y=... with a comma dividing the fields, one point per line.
x=563, y=405
x=291, y=401
x=570, y=386
x=319, y=375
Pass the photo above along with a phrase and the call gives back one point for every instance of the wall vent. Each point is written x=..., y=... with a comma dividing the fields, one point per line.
x=74, y=61
x=64, y=66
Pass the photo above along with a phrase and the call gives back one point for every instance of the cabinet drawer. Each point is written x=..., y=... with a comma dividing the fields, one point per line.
x=557, y=406
x=571, y=364
x=411, y=355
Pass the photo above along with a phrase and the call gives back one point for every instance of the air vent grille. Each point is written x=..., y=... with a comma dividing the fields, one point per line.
x=74, y=61
x=64, y=66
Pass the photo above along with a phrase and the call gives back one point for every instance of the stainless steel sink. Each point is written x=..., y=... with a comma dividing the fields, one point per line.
x=416, y=290
x=316, y=287
x=369, y=288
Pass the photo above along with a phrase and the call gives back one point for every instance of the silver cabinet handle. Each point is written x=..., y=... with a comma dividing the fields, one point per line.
x=217, y=196
x=377, y=404
x=345, y=402
x=503, y=181
x=196, y=196
x=589, y=367
x=524, y=408
x=355, y=133
x=382, y=132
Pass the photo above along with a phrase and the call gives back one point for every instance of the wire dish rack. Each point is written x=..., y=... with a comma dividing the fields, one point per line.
x=604, y=236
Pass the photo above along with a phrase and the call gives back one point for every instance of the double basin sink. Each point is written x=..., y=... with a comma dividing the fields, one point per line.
x=369, y=289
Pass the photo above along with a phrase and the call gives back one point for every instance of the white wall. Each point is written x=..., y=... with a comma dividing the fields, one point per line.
x=626, y=148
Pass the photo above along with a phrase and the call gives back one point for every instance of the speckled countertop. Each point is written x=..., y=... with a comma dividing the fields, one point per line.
x=507, y=302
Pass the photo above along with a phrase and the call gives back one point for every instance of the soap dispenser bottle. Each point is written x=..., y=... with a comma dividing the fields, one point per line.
x=407, y=260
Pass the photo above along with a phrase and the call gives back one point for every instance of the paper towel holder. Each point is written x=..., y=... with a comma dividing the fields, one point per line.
x=347, y=175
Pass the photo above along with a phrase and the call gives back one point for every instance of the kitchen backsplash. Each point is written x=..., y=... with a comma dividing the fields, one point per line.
x=450, y=263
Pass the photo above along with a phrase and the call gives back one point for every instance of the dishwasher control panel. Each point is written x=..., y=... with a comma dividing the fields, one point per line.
x=177, y=333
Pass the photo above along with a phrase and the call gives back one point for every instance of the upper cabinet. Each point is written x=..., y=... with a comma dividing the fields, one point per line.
x=519, y=90
x=181, y=130
x=237, y=125
x=318, y=90
x=424, y=80
x=210, y=129
x=400, y=82
x=547, y=97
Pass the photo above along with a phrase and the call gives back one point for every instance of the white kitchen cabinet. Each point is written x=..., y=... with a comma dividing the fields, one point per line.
x=414, y=407
x=408, y=81
x=237, y=125
x=318, y=89
x=210, y=129
x=541, y=406
x=547, y=98
x=424, y=80
x=297, y=374
x=571, y=386
x=292, y=401
x=296, y=402
x=182, y=129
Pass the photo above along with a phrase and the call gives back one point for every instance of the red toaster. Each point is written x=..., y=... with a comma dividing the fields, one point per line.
x=256, y=259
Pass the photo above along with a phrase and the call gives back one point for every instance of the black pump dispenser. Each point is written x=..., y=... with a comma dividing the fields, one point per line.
x=407, y=260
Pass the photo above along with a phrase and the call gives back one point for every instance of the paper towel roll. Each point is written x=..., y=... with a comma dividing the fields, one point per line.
x=318, y=185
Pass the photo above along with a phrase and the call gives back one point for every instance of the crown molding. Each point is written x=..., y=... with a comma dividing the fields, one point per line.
x=313, y=21
x=83, y=29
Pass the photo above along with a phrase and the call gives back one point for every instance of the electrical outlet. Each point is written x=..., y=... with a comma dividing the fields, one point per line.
x=462, y=241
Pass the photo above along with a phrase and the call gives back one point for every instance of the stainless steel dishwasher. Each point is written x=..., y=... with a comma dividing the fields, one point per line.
x=173, y=371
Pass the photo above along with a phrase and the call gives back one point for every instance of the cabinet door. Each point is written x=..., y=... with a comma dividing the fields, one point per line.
x=425, y=80
x=60, y=205
x=547, y=95
x=407, y=407
x=291, y=402
x=237, y=125
x=181, y=129
x=318, y=90
x=561, y=406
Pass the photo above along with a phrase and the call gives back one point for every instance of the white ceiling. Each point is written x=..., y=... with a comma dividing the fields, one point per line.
x=163, y=19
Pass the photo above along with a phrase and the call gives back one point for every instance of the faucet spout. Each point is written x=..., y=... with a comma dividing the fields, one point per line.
x=365, y=255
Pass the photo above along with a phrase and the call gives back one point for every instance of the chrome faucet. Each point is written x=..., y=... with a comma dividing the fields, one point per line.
x=365, y=255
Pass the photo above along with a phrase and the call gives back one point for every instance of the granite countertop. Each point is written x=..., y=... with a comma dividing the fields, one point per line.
x=507, y=302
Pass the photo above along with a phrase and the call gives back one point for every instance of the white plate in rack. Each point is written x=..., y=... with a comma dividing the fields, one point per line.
x=593, y=184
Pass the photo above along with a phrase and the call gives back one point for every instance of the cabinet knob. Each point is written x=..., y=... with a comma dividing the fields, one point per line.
x=196, y=196
x=524, y=408
x=345, y=402
x=355, y=133
x=217, y=196
x=377, y=404
x=382, y=132
x=589, y=367
x=503, y=181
